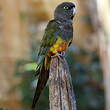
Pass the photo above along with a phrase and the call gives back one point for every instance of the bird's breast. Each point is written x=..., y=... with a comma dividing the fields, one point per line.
x=59, y=46
x=67, y=32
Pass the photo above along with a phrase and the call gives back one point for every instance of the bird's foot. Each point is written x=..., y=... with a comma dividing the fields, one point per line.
x=62, y=54
x=59, y=55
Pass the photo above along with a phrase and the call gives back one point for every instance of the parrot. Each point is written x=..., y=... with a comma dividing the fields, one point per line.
x=57, y=38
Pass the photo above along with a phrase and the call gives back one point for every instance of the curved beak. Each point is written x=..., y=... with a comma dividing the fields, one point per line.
x=74, y=11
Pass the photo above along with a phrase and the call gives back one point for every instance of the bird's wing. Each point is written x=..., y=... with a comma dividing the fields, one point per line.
x=50, y=36
x=48, y=40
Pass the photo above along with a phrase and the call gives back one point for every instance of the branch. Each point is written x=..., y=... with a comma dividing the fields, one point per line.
x=61, y=93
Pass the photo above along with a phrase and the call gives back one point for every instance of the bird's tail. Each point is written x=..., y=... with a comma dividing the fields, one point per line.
x=39, y=64
x=42, y=80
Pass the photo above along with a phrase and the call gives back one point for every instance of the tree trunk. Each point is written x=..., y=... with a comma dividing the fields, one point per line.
x=13, y=45
x=61, y=93
x=104, y=41
x=101, y=20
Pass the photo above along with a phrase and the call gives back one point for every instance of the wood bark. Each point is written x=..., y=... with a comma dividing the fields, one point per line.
x=104, y=43
x=61, y=93
x=100, y=17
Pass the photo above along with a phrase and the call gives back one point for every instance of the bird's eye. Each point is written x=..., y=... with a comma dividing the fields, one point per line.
x=66, y=8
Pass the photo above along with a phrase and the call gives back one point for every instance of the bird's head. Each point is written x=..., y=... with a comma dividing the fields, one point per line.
x=65, y=11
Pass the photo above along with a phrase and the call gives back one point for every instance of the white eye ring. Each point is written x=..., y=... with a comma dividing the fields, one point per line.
x=65, y=7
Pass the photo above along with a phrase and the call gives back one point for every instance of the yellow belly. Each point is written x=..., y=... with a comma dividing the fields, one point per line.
x=59, y=46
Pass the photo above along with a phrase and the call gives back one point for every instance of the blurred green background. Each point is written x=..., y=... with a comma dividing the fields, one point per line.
x=22, y=24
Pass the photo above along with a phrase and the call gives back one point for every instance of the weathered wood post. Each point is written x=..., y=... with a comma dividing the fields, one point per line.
x=61, y=95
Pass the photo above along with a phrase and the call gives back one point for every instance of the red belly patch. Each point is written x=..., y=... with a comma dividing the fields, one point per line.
x=58, y=47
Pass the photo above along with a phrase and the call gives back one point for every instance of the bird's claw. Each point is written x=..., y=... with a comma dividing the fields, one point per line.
x=62, y=54
x=59, y=55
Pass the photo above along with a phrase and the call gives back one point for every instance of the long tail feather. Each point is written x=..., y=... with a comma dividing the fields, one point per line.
x=39, y=64
x=43, y=77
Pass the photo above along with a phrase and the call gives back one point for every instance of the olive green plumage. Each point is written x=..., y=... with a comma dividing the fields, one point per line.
x=50, y=36
x=60, y=27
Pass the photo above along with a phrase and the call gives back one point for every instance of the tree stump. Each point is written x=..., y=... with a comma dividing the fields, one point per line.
x=61, y=95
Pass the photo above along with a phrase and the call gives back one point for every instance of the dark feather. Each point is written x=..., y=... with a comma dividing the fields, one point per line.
x=43, y=77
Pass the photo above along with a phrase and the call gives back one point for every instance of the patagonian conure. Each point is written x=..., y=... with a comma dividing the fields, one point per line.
x=57, y=38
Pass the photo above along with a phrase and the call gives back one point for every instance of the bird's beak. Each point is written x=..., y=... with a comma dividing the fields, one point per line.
x=74, y=11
